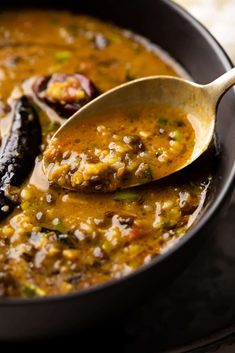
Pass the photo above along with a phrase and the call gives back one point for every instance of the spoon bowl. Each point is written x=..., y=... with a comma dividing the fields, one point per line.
x=198, y=101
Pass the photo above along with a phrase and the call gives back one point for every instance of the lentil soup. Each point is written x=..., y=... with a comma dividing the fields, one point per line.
x=54, y=240
x=130, y=146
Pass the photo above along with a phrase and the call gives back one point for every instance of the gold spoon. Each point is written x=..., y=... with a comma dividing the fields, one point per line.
x=199, y=101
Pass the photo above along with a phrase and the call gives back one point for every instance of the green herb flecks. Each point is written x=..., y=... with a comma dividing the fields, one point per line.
x=114, y=37
x=192, y=144
x=52, y=126
x=25, y=205
x=31, y=290
x=148, y=176
x=127, y=195
x=162, y=121
x=63, y=56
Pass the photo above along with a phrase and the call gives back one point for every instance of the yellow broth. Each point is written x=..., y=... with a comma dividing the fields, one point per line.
x=59, y=241
x=122, y=147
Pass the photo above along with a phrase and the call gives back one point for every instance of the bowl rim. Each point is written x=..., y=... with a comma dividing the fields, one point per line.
x=227, y=63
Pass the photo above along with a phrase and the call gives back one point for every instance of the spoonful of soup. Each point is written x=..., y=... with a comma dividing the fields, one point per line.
x=134, y=134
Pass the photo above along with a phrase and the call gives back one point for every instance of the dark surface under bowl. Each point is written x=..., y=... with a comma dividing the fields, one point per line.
x=191, y=45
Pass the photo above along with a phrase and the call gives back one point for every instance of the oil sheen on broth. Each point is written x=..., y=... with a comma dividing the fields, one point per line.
x=127, y=146
x=59, y=241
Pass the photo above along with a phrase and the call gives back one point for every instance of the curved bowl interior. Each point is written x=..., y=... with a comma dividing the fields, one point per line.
x=193, y=47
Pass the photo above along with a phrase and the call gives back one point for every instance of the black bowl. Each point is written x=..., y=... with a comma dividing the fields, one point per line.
x=198, y=52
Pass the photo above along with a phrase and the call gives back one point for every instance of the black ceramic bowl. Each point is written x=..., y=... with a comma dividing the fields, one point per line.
x=197, y=51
